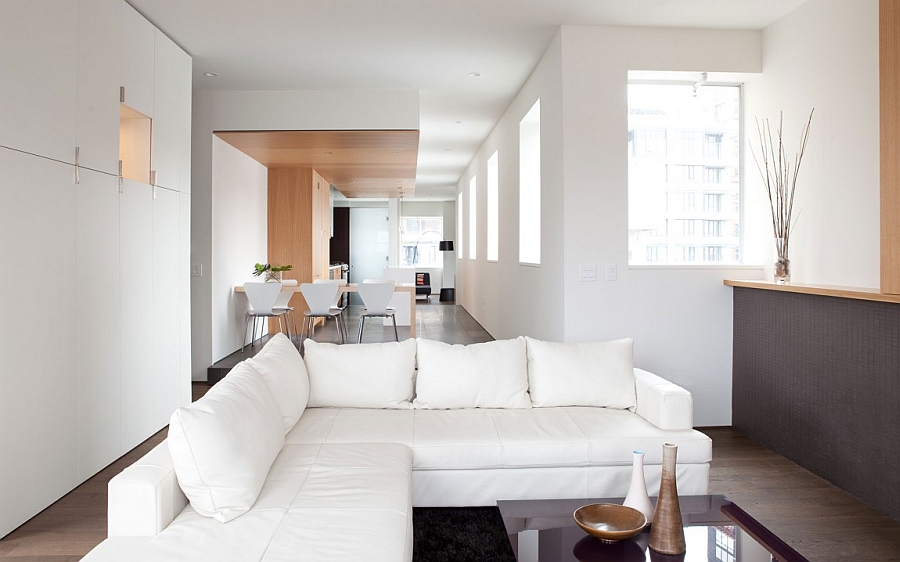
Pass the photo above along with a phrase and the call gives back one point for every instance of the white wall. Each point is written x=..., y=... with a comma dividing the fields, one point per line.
x=825, y=55
x=505, y=297
x=259, y=110
x=241, y=199
x=679, y=318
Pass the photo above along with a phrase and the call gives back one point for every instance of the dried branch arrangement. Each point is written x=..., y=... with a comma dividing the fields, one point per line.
x=780, y=177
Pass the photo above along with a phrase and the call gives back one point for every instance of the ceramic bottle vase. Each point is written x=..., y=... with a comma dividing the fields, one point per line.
x=637, y=497
x=667, y=532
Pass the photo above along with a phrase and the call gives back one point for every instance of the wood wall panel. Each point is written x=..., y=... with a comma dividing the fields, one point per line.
x=889, y=32
x=289, y=227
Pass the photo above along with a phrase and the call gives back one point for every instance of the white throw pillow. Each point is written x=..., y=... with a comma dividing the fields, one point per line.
x=223, y=445
x=282, y=367
x=480, y=375
x=582, y=374
x=369, y=375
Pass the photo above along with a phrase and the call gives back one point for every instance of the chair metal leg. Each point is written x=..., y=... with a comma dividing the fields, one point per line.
x=244, y=334
x=394, y=318
x=337, y=325
x=362, y=321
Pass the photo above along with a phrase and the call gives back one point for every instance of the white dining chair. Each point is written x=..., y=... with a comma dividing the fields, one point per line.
x=336, y=305
x=320, y=298
x=262, y=298
x=283, y=305
x=376, y=294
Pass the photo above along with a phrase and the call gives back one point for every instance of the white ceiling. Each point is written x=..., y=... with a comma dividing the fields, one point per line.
x=425, y=45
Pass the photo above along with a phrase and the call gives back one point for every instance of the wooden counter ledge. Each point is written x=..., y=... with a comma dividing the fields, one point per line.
x=823, y=290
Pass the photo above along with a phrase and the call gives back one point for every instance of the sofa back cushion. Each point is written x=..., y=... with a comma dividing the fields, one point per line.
x=223, y=445
x=581, y=374
x=283, y=370
x=481, y=375
x=368, y=375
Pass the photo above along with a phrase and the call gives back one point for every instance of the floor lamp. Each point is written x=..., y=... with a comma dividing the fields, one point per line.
x=447, y=294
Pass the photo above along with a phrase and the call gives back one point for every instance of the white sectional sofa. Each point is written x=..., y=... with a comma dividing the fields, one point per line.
x=323, y=457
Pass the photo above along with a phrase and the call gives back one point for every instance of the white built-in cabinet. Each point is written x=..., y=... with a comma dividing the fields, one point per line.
x=98, y=304
x=97, y=126
x=95, y=335
x=171, y=113
x=38, y=72
x=136, y=60
x=38, y=406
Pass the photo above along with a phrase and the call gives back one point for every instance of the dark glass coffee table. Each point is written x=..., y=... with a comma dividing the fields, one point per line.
x=715, y=529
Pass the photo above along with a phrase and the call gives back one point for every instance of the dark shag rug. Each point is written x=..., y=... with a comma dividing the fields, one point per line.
x=460, y=534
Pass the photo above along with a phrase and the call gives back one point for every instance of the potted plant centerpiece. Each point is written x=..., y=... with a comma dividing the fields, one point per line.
x=271, y=273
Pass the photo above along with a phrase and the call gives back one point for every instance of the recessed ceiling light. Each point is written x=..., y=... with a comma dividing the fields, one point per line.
x=474, y=74
x=210, y=74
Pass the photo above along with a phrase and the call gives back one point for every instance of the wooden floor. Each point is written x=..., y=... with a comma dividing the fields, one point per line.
x=820, y=521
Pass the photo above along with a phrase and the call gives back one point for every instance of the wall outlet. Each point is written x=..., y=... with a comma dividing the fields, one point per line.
x=196, y=270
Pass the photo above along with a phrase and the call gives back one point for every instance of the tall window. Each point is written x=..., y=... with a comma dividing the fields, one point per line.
x=530, y=186
x=473, y=218
x=683, y=170
x=419, y=237
x=493, y=208
x=459, y=226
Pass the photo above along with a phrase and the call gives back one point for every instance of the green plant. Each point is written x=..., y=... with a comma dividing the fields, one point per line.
x=270, y=270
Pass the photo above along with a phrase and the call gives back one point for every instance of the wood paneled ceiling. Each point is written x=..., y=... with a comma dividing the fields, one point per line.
x=358, y=163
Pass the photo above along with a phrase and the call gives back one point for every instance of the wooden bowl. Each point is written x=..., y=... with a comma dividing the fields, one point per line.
x=610, y=522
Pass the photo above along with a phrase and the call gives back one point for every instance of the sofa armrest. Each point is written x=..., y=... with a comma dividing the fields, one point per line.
x=662, y=403
x=145, y=497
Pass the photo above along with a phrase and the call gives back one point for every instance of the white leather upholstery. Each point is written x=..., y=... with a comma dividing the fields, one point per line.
x=365, y=467
x=145, y=497
x=341, y=503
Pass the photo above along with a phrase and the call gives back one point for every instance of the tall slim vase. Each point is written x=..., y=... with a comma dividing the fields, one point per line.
x=637, y=497
x=667, y=532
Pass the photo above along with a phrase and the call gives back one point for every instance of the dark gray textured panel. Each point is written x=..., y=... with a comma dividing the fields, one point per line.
x=817, y=379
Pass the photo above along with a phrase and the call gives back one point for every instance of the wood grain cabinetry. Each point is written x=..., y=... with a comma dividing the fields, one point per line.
x=889, y=22
x=299, y=224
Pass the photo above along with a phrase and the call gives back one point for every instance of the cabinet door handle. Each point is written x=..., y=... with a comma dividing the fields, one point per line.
x=77, y=165
x=121, y=182
x=121, y=94
x=153, y=182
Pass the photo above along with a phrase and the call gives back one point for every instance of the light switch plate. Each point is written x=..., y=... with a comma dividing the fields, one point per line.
x=611, y=272
x=196, y=270
x=588, y=272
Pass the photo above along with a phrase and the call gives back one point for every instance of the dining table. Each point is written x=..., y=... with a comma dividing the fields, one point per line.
x=409, y=288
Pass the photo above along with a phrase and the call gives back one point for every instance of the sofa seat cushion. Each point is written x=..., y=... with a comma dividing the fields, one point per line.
x=316, y=497
x=503, y=438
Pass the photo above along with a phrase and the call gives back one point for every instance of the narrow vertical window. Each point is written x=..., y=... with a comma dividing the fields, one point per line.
x=459, y=226
x=473, y=218
x=530, y=186
x=493, y=210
